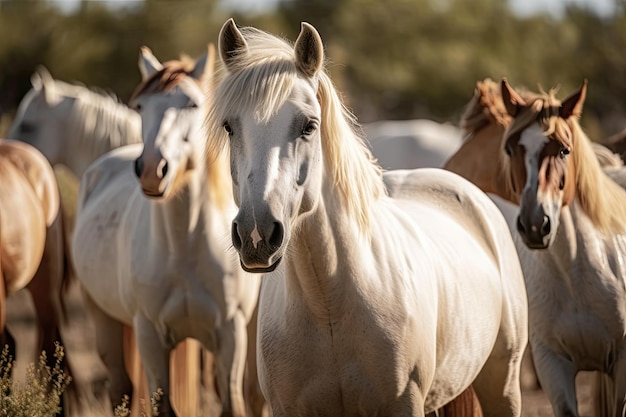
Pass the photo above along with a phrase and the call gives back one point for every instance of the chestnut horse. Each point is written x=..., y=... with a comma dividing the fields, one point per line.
x=32, y=245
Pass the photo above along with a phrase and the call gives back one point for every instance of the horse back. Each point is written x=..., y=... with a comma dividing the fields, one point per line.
x=469, y=207
x=461, y=200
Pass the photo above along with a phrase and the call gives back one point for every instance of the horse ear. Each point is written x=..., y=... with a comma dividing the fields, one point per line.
x=512, y=100
x=43, y=81
x=573, y=105
x=309, y=51
x=231, y=43
x=205, y=64
x=148, y=63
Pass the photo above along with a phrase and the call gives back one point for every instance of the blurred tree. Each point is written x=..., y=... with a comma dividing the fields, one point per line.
x=25, y=28
x=394, y=59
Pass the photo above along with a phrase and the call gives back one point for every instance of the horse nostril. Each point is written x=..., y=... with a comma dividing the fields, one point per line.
x=276, y=239
x=234, y=235
x=545, y=226
x=138, y=167
x=520, y=226
x=163, y=168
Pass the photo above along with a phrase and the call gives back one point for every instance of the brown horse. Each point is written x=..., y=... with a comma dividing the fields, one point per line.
x=482, y=160
x=32, y=243
x=483, y=124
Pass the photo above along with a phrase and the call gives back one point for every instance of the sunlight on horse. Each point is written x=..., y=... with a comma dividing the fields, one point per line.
x=32, y=245
x=151, y=244
x=56, y=117
x=354, y=275
x=73, y=125
x=573, y=214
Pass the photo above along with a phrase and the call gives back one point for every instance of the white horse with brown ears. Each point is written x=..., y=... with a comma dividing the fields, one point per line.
x=574, y=217
x=151, y=243
x=369, y=306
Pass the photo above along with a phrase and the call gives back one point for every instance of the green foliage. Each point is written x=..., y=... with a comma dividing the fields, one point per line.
x=393, y=60
x=39, y=395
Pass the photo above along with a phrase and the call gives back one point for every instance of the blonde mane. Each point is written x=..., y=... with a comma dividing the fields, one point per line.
x=486, y=107
x=261, y=81
x=101, y=123
x=599, y=197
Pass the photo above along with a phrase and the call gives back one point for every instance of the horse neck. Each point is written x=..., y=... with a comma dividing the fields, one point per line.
x=99, y=124
x=323, y=262
x=578, y=243
x=182, y=220
x=469, y=163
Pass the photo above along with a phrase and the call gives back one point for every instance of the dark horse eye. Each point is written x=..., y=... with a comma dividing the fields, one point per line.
x=563, y=152
x=228, y=129
x=309, y=128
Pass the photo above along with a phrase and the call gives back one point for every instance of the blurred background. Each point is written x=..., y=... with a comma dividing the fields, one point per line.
x=392, y=59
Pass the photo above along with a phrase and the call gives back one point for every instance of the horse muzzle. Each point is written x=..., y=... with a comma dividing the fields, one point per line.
x=536, y=231
x=152, y=176
x=260, y=248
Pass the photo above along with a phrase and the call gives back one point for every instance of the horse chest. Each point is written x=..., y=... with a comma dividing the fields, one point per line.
x=580, y=314
x=347, y=366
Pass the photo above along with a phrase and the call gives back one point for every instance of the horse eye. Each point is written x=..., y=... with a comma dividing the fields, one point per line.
x=138, y=107
x=309, y=129
x=563, y=152
x=192, y=105
x=228, y=129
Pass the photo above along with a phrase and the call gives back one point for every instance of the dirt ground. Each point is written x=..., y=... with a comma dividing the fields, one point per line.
x=79, y=339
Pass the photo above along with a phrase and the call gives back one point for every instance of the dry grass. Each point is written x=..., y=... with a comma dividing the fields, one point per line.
x=40, y=394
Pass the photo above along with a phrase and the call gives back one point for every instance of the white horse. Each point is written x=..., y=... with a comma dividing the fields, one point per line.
x=74, y=125
x=573, y=218
x=151, y=243
x=370, y=302
x=71, y=124
x=408, y=144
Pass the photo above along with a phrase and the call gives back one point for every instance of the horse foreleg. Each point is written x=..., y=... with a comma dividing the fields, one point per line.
x=254, y=397
x=557, y=376
x=45, y=290
x=230, y=363
x=156, y=361
x=615, y=387
x=110, y=347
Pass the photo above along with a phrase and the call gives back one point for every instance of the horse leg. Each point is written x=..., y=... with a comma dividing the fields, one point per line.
x=616, y=389
x=497, y=385
x=557, y=376
x=6, y=338
x=230, y=362
x=110, y=347
x=46, y=291
x=254, y=396
x=156, y=361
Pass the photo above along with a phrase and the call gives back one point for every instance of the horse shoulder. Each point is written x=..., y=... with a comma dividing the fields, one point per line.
x=447, y=191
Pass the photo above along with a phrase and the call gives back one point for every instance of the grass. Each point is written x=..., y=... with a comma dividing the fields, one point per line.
x=40, y=394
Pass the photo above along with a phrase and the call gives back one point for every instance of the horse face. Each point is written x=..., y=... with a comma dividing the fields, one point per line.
x=276, y=173
x=275, y=143
x=42, y=121
x=171, y=126
x=539, y=167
